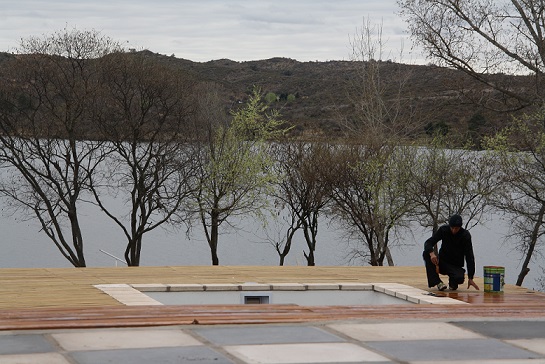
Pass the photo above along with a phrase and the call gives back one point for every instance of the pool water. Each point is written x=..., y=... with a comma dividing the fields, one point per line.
x=303, y=298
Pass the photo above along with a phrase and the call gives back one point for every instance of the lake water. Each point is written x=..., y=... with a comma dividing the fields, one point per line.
x=24, y=246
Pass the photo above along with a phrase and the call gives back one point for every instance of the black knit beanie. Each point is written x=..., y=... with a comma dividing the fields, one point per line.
x=455, y=221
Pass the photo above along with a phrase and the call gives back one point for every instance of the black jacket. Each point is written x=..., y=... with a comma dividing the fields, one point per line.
x=454, y=248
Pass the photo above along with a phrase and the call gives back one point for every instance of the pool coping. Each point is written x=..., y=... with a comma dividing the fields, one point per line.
x=133, y=294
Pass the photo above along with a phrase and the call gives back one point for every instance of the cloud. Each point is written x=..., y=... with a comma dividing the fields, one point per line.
x=202, y=30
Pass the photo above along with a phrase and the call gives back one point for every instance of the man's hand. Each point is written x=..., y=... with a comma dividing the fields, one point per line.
x=470, y=282
x=434, y=258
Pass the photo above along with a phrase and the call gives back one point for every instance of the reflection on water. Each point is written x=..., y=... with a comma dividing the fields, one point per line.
x=24, y=246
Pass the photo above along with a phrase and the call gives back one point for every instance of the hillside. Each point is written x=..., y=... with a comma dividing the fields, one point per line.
x=321, y=91
x=313, y=96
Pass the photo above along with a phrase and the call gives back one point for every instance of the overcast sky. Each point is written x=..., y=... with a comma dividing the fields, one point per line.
x=204, y=30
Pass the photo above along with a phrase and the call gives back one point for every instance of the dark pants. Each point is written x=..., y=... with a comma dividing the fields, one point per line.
x=455, y=274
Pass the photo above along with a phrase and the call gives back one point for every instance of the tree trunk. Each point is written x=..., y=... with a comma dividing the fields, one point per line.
x=77, y=238
x=215, y=259
x=385, y=252
x=287, y=246
x=130, y=257
x=373, y=258
x=389, y=257
x=533, y=241
x=310, y=238
x=310, y=258
x=213, y=242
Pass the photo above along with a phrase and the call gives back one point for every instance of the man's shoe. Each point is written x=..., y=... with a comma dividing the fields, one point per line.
x=453, y=287
x=441, y=286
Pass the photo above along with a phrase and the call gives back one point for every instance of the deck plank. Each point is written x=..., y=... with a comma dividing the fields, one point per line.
x=45, y=298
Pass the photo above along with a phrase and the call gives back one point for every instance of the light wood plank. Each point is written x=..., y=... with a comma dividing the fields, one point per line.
x=66, y=297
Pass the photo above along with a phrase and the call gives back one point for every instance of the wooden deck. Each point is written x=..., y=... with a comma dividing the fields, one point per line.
x=46, y=298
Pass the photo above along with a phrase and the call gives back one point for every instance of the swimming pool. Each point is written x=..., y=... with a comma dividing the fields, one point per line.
x=301, y=298
x=304, y=294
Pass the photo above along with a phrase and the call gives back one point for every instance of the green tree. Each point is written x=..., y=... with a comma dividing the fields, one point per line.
x=476, y=125
x=271, y=98
x=234, y=169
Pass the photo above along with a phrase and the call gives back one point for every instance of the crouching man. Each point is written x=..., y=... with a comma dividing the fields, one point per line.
x=455, y=247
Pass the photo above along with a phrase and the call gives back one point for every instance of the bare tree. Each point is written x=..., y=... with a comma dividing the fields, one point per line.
x=378, y=92
x=446, y=181
x=521, y=148
x=370, y=194
x=285, y=225
x=541, y=280
x=49, y=103
x=485, y=37
x=150, y=166
x=371, y=197
x=304, y=188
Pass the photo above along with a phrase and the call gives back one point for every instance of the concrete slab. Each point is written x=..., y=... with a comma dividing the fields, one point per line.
x=356, y=286
x=322, y=286
x=189, y=287
x=506, y=329
x=249, y=335
x=250, y=286
x=404, y=331
x=127, y=295
x=191, y=354
x=288, y=287
x=112, y=285
x=24, y=344
x=49, y=358
x=123, y=339
x=494, y=361
x=389, y=285
x=412, y=342
x=390, y=288
x=304, y=353
x=221, y=287
x=150, y=287
x=535, y=345
x=410, y=294
x=436, y=300
x=438, y=350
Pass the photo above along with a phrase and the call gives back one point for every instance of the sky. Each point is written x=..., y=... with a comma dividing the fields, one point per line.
x=204, y=30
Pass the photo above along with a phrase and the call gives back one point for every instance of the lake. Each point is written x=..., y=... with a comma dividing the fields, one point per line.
x=23, y=246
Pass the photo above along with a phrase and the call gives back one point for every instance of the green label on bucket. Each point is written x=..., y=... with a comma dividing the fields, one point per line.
x=494, y=279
